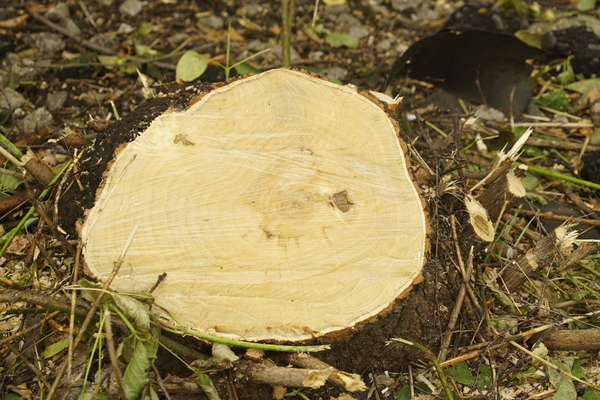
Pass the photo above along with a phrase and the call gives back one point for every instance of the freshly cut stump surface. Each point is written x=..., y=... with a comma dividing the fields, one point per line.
x=280, y=206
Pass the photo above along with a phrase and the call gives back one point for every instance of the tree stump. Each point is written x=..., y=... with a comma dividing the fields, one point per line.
x=281, y=207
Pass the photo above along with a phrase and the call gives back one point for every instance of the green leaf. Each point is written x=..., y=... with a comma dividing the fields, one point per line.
x=342, y=40
x=9, y=183
x=108, y=61
x=56, y=348
x=536, y=197
x=404, y=393
x=577, y=370
x=134, y=310
x=530, y=182
x=92, y=395
x=532, y=151
x=245, y=68
x=557, y=101
x=207, y=386
x=595, y=137
x=591, y=395
x=153, y=71
x=4, y=115
x=14, y=78
x=586, y=5
x=521, y=377
x=567, y=75
x=125, y=351
x=540, y=350
x=584, y=86
x=135, y=378
x=565, y=389
x=315, y=32
x=190, y=66
x=143, y=50
x=92, y=295
x=145, y=30
x=460, y=373
x=484, y=379
x=221, y=353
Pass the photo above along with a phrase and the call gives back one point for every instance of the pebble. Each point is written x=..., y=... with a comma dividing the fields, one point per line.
x=333, y=12
x=426, y=14
x=15, y=99
x=378, y=7
x=125, y=29
x=105, y=39
x=48, y=43
x=178, y=38
x=255, y=46
x=39, y=118
x=384, y=45
x=488, y=113
x=55, y=101
x=277, y=52
x=213, y=22
x=131, y=8
x=58, y=13
x=71, y=27
x=252, y=9
x=27, y=70
x=359, y=31
x=401, y=5
x=335, y=73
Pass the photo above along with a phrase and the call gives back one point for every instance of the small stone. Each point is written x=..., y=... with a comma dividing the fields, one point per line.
x=401, y=5
x=48, y=43
x=255, y=46
x=131, y=8
x=426, y=14
x=488, y=113
x=15, y=99
x=333, y=12
x=402, y=47
x=359, y=31
x=105, y=39
x=125, y=29
x=58, y=13
x=252, y=9
x=39, y=118
x=178, y=38
x=384, y=45
x=335, y=73
x=71, y=27
x=349, y=20
x=213, y=22
x=55, y=101
x=278, y=52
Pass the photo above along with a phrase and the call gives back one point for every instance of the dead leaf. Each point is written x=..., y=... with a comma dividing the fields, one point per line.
x=13, y=22
x=593, y=94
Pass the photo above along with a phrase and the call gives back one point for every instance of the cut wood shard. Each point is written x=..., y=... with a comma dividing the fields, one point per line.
x=280, y=205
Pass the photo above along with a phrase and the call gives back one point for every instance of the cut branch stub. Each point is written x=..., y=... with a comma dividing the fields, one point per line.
x=280, y=206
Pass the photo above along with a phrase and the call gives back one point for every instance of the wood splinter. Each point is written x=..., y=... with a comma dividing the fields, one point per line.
x=554, y=246
x=345, y=380
x=282, y=376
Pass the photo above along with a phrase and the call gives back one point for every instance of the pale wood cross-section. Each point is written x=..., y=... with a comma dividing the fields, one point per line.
x=280, y=205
